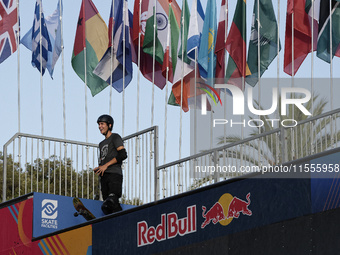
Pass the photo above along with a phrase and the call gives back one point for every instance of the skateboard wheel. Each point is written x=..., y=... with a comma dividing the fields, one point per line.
x=75, y=214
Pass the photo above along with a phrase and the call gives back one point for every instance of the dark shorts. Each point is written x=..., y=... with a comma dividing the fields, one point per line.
x=111, y=183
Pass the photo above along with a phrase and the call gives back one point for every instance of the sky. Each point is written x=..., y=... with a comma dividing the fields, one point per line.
x=30, y=97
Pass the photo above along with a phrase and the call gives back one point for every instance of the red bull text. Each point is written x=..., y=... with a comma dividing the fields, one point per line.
x=169, y=227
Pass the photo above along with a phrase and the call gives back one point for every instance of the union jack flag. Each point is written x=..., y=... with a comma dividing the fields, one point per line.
x=9, y=28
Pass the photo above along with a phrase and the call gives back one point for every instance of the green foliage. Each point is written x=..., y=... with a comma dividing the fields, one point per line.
x=314, y=136
x=53, y=176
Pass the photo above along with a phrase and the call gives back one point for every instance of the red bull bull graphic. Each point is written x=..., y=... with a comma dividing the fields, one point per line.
x=215, y=214
x=225, y=210
x=238, y=206
x=170, y=227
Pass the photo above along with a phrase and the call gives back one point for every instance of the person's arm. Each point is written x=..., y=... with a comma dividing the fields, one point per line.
x=101, y=169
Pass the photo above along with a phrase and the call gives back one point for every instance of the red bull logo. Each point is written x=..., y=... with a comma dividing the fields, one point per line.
x=169, y=227
x=225, y=210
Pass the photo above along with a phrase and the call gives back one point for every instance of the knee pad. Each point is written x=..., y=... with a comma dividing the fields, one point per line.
x=111, y=204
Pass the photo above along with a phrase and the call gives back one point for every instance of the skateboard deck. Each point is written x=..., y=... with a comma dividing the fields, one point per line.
x=82, y=210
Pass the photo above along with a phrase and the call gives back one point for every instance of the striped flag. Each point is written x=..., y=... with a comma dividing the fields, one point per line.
x=206, y=53
x=122, y=20
x=221, y=40
x=236, y=46
x=195, y=29
x=161, y=33
x=266, y=36
x=91, y=35
x=302, y=36
x=54, y=32
x=39, y=59
x=146, y=63
x=324, y=48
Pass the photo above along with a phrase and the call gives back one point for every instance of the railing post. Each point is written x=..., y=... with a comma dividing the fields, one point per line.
x=155, y=160
x=283, y=145
x=4, y=183
x=216, y=159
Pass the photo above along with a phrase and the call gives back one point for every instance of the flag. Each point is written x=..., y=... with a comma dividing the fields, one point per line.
x=162, y=19
x=313, y=17
x=122, y=20
x=221, y=40
x=40, y=34
x=206, y=53
x=302, y=36
x=195, y=29
x=267, y=37
x=323, y=45
x=54, y=32
x=170, y=55
x=91, y=37
x=146, y=63
x=236, y=46
x=9, y=28
x=183, y=64
x=188, y=95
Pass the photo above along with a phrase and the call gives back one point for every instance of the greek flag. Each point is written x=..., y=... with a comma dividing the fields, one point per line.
x=39, y=59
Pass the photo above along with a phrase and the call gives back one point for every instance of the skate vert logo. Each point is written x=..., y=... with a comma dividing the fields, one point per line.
x=49, y=209
x=49, y=213
x=211, y=95
x=225, y=210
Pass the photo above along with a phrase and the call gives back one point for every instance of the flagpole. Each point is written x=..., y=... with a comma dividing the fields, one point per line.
x=278, y=73
x=225, y=67
x=138, y=73
x=153, y=62
x=123, y=95
x=86, y=110
x=293, y=74
x=18, y=77
x=63, y=67
x=18, y=60
x=259, y=69
x=110, y=101
x=182, y=78
x=166, y=88
x=331, y=66
x=41, y=80
x=312, y=79
x=41, y=94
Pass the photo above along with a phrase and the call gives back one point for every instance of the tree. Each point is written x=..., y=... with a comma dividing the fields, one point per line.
x=305, y=138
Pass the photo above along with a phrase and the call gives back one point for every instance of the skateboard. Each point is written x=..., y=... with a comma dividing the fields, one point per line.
x=82, y=210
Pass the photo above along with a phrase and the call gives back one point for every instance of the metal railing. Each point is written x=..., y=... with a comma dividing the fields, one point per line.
x=34, y=163
x=275, y=147
x=67, y=168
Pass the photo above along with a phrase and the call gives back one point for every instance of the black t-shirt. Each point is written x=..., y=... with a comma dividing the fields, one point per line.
x=108, y=151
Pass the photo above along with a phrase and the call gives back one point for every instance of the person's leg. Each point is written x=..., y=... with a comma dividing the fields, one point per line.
x=114, y=185
x=104, y=186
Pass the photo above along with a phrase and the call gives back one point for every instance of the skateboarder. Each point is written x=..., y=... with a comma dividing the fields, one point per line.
x=111, y=155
